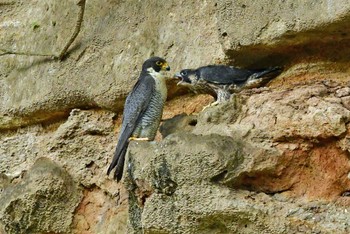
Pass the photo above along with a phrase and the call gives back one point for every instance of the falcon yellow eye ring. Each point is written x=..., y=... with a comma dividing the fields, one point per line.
x=159, y=63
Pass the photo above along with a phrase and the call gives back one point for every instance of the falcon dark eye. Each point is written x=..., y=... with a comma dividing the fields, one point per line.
x=159, y=63
x=183, y=73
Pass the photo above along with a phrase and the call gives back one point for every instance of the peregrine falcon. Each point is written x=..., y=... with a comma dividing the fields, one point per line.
x=220, y=80
x=142, y=111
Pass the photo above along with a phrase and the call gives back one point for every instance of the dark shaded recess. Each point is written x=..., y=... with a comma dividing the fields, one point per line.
x=192, y=122
x=346, y=194
x=325, y=43
x=219, y=177
x=179, y=123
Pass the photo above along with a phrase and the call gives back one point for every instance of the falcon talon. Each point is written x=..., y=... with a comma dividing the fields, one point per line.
x=142, y=111
x=222, y=81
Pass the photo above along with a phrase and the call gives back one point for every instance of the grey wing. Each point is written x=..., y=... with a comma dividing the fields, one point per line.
x=138, y=100
x=221, y=74
x=135, y=105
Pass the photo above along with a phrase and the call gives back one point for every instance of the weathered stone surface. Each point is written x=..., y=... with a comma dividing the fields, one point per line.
x=270, y=21
x=257, y=33
x=97, y=213
x=153, y=169
x=311, y=111
x=117, y=37
x=296, y=134
x=43, y=201
x=201, y=203
x=106, y=58
x=82, y=145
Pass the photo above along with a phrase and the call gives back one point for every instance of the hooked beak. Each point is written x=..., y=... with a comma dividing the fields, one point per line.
x=178, y=76
x=166, y=67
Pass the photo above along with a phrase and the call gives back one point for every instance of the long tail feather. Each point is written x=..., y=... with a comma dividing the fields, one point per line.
x=268, y=73
x=118, y=173
x=119, y=155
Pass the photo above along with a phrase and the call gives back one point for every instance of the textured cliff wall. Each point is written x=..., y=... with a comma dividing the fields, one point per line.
x=272, y=160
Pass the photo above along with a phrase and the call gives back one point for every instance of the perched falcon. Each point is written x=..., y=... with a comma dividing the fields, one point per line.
x=220, y=80
x=142, y=111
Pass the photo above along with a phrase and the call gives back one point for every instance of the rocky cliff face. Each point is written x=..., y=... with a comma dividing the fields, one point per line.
x=272, y=160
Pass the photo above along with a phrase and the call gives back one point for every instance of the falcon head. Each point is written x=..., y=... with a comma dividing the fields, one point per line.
x=187, y=77
x=192, y=79
x=155, y=65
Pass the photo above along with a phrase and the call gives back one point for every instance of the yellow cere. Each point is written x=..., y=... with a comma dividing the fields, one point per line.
x=165, y=65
